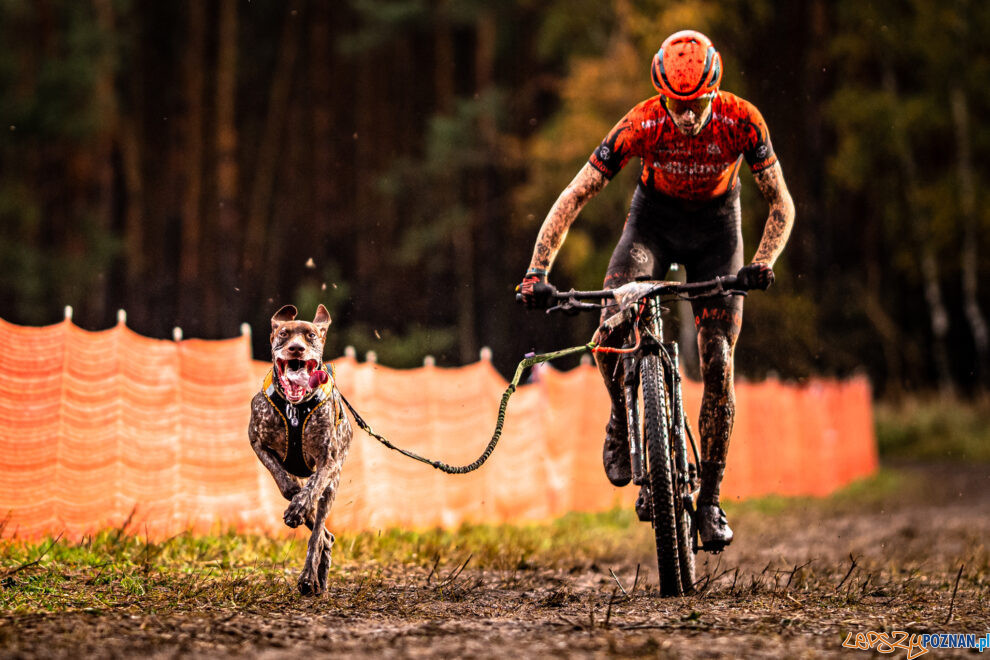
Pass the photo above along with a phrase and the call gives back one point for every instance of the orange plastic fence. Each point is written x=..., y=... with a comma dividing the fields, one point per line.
x=98, y=428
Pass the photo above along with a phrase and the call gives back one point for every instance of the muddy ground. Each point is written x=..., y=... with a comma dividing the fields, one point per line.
x=795, y=583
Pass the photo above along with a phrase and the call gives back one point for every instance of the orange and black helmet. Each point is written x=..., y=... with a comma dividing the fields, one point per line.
x=686, y=66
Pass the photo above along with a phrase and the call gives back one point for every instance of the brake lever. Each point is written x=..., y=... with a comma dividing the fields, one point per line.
x=723, y=293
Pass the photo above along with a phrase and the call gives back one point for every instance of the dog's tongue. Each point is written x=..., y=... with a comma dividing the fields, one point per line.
x=317, y=378
x=297, y=377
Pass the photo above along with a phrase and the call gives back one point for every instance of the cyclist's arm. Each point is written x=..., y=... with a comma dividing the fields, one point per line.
x=781, y=218
x=588, y=182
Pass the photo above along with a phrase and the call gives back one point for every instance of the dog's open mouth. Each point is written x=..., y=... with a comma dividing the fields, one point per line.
x=294, y=375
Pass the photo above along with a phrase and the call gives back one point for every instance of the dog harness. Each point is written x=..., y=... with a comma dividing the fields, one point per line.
x=295, y=416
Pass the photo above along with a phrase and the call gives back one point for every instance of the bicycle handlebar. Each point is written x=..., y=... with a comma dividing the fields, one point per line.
x=720, y=286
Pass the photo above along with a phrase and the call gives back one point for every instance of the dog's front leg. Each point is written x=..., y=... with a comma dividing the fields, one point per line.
x=303, y=502
x=287, y=484
x=313, y=579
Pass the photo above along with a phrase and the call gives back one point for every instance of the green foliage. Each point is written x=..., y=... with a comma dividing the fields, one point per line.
x=934, y=429
x=401, y=349
x=572, y=28
x=329, y=289
x=382, y=20
x=433, y=171
x=884, y=484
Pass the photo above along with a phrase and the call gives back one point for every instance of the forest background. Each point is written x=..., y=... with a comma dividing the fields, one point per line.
x=200, y=163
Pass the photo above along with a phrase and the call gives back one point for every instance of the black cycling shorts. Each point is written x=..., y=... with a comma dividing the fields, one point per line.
x=703, y=237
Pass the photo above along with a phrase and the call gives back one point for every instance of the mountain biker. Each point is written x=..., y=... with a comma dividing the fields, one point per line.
x=692, y=139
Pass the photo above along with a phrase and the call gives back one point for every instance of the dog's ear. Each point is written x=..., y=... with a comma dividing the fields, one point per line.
x=322, y=321
x=287, y=313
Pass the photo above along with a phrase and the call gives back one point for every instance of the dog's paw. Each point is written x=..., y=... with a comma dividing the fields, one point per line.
x=295, y=513
x=309, y=584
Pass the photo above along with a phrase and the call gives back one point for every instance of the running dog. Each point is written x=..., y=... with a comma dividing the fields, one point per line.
x=300, y=433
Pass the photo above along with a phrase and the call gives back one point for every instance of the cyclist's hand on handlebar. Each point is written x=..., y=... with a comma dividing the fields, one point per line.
x=534, y=292
x=756, y=276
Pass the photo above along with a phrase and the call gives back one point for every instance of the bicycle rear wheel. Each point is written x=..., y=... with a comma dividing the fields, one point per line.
x=661, y=476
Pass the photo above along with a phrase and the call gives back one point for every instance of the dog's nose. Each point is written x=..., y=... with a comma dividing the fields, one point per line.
x=295, y=349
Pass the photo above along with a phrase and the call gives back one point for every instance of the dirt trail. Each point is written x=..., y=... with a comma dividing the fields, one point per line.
x=794, y=584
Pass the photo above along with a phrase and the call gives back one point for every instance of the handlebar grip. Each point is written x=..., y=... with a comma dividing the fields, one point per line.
x=732, y=282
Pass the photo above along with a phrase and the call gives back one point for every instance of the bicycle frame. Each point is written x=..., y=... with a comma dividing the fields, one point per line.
x=652, y=341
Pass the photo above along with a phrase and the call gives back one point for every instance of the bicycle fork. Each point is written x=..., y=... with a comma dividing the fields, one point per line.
x=651, y=340
x=678, y=441
x=630, y=387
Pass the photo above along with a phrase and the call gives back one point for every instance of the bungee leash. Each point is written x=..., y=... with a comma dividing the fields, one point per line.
x=526, y=363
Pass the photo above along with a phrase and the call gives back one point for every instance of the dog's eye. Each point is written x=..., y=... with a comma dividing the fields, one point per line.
x=283, y=333
x=312, y=335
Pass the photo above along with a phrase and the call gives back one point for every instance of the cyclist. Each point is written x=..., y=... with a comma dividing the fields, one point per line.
x=691, y=138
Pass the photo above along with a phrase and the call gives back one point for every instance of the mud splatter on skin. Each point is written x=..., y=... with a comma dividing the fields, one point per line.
x=781, y=218
x=716, y=348
x=609, y=365
x=585, y=186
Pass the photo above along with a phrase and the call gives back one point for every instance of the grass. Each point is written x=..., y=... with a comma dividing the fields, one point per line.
x=885, y=483
x=939, y=429
x=118, y=571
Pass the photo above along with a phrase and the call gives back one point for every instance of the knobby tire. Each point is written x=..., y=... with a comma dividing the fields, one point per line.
x=683, y=505
x=661, y=475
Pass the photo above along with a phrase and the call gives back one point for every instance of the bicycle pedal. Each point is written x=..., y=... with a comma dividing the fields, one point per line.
x=714, y=547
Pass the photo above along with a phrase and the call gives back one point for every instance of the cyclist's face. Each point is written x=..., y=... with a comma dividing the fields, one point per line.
x=689, y=116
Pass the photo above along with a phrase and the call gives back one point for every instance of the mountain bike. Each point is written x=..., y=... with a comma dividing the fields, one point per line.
x=659, y=437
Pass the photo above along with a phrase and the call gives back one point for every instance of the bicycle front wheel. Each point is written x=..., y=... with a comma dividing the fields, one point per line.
x=661, y=475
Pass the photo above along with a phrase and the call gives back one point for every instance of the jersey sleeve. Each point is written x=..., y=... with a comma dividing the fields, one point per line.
x=756, y=148
x=618, y=146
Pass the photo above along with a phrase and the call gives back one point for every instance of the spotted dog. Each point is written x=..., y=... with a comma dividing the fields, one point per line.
x=300, y=433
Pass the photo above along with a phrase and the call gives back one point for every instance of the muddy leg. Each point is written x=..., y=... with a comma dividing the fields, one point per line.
x=318, y=554
x=716, y=347
x=309, y=578
x=324, y=569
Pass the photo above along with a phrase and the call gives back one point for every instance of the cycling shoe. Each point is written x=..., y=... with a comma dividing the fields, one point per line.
x=615, y=453
x=713, y=528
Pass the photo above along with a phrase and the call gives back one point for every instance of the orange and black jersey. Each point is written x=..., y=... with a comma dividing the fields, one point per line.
x=697, y=167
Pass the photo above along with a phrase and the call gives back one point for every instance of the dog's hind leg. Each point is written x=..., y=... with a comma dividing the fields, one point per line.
x=318, y=555
x=324, y=570
x=320, y=543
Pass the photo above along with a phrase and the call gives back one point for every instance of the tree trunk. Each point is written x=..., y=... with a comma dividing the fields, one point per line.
x=322, y=119
x=267, y=160
x=970, y=238
x=225, y=317
x=106, y=102
x=191, y=301
x=465, y=263
x=938, y=315
x=364, y=223
x=814, y=153
x=130, y=151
